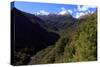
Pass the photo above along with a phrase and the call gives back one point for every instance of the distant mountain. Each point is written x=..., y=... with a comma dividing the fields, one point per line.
x=58, y=22
x=54, y=21
x=52, y=38
x=43, y=12
x=32, y=33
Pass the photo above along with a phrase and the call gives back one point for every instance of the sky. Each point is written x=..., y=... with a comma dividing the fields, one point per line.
x=46, y=8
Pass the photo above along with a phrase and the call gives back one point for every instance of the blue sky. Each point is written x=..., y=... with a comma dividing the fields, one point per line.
x=46, y=8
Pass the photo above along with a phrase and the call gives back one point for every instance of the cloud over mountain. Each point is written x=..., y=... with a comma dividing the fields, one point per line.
x=83, y=10
x=42, y=12
x=63, y=11
x=78, y=11
x=78, y=14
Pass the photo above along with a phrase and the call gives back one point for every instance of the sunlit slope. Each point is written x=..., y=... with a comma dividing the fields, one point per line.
x=78, y=44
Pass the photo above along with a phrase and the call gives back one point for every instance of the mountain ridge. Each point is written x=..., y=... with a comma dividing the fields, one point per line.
x=29, y=35
x=37, y=44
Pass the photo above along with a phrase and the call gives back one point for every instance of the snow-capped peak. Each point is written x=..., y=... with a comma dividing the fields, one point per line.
x=42, y=12
x=63, y=11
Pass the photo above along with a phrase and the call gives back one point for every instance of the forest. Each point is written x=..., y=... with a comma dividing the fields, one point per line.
x=60, y=39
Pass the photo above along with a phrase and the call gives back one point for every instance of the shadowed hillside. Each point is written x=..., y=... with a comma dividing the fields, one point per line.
x=40, y=39
x=29, y=35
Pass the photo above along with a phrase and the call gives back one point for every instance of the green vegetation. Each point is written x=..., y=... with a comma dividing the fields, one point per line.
x=22, y=57
x=77, y=43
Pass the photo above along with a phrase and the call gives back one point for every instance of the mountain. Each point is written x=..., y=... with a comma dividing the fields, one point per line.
x=54, y=21
x=53, y=38
x=29, y=35
x=76, y=45
x=57, y=22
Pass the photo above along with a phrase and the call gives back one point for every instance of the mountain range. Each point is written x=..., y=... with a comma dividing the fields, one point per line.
x=37, y=36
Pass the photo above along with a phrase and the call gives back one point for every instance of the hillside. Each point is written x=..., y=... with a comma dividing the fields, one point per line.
x=41, y=39
x=57, y=22
x=53, y=22
x=28, y=37
x=74, y=45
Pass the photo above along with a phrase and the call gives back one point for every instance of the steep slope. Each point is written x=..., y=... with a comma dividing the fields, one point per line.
x=27, y=35
x=58, y=22
x=54, y=22
x=74, y=45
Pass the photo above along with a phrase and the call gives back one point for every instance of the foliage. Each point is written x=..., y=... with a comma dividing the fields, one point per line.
x=74, y=45
x=78, y=42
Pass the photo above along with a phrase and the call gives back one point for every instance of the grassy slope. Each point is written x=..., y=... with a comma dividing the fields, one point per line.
x=77, y=44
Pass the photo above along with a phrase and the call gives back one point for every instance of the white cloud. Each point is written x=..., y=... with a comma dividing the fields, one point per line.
x=92, y=6
x=70, y=11
x=43, y=12
x=63, y=11
x=90, y=11
x=84, y=8
x=37, y=13
x=79, y=14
